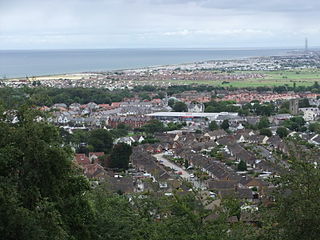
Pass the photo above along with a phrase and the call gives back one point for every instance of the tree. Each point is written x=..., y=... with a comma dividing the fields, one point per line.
x=153, y=126
x=213, y=126
x=171, y=102
x=295, y=124
x=242, y=166
x=42, y=195
x=282, y=132
x=296, y=213
x=120, y=155
x=144, y=96
x=265, y=132
x=314, y=127
x=101, y=140
x=180, y=107
x=304, y=103
x=264, y=109
x=225, y=124
x=263, y=123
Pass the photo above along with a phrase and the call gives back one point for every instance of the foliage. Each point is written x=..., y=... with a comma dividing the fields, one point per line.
x=263, y=123
x=222, y=106
x=282, y=132
x=213, y=125
x=171, y=102
x=304, y=103
x=242, y=166
x=171, y=126
x=153, y=126
x=265, y=132
x=101, y=140
x=225, y=124
x=144, y=96
x=48, y=96
x=295, y=124
x=180, y=107
x=42, y=196
x=120, y=155
x=297, y=206
x=315, y=127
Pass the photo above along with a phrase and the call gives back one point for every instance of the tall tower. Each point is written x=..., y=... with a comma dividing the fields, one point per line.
x=294, y=106
x=306, y=47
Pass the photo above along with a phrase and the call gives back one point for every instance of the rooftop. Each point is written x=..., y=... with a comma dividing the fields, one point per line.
x=190, y=114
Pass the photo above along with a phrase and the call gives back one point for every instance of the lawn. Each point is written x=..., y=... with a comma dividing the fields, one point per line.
x=303, y=77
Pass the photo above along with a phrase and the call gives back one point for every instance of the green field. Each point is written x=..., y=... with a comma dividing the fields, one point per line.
x=305, y=77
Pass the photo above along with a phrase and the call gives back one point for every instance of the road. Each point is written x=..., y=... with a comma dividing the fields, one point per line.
x=185, y=175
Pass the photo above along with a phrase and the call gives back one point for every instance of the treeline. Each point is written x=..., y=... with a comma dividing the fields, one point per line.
x=205, y=88
x=12, y=97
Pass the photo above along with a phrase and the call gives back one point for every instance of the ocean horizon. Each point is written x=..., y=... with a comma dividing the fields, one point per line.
x=22, y=63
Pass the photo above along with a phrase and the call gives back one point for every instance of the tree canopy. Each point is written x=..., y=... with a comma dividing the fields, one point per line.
x=180, y=107
x=41, y=191
x=213, y=125
x=120, y=155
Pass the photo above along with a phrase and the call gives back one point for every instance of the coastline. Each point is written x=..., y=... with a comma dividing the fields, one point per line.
x=115, y=61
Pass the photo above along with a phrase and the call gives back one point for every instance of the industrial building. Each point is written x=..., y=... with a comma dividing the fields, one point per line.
x=191, y=116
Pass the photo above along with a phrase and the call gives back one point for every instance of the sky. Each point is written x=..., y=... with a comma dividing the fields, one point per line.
x=88, y=24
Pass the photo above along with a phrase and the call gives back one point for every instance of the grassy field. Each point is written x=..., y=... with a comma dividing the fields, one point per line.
x=272, y=78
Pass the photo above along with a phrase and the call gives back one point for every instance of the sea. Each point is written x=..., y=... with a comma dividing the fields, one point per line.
x=22, y=63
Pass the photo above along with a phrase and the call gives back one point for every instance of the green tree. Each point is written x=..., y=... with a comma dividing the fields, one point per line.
x=314, y=127
x=144, y=96
x=295, y=124
x=153, y=126
x=120, y=156
x=180, y=107
x=265, y=132
x=171, y=102
x=282, y=132
x=242, y=166
x=225, y=124
x=213, y=125
x=303, y=103
x=263, y=123
x=101, y=140
x=296, y=213
x=42, y=195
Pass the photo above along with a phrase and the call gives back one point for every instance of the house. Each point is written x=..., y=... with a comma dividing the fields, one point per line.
x=253, y=120
x=280, y=118
x=82, y=159
x=126, y=140
x=310, y=114
x=90, y=170
x=75, y=107
x=94, y=156
x=276, y=142
x=216, y=134
x=132, y=121
x=196, y=107
x=222, y=184
x=92, y=106
x=240, y=153
x=121, y=184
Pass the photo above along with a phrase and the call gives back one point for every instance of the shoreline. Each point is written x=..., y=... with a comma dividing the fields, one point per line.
x=153, y=66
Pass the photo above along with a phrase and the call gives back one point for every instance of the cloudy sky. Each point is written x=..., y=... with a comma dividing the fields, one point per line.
x=59, y=24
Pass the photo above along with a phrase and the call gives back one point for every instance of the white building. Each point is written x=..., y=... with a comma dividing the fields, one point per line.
x=310, y=114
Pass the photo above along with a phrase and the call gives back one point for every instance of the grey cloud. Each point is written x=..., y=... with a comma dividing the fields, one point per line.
x=129, y=23
x=258, y=5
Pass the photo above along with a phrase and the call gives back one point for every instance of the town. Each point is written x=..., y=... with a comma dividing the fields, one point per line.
x=223, y=143
x=268, y=71
x=143, y=138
